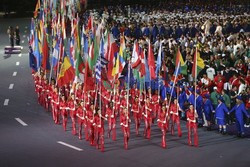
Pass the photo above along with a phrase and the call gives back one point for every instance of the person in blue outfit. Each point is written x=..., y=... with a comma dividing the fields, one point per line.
x=240, y=110
x=199, y=106
x=220, y=112
x=207, y=110
x=182, y=99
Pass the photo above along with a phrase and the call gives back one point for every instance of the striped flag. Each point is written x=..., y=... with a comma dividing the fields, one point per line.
x=101, y=64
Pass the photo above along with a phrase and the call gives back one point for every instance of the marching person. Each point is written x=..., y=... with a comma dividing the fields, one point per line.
x=125, y=122
x=72, y=109
x=99, y=130
x=174, y=113
x=137, y=114
x=63, y=108
x=220, y=112
x=110, y=115
x=192, y=125
x=81, y=119
x=17, y=35
x=55, y=103
x=11, y=34
x=240, y=111
x=207, y=110
x=90, y=119
x=147, y=118
x=163, y=122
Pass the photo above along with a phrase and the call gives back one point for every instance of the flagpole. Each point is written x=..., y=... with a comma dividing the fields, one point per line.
x=172, y=90
x=51, y=70
x=195, y=79
x=128, y=88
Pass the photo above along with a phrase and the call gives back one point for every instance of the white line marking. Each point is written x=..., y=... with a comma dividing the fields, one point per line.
x=6, y=102
x=14, y=74
x=25, y=31
x=22, y=41
x=24, y=36
x=70, y=146
x=17, y=63
x=11, y=86
x=20, y=55
x=26, y=27
x=21, y=122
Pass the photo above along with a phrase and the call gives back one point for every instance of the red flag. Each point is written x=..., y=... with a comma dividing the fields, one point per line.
x=89, y=83
x=142, y=66
x=151, y=62
x=45, y=52
x=67, y=73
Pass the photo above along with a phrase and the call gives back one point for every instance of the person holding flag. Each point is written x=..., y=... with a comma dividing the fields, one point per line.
x=125, y=125
x=192, y=125
x=163, y=122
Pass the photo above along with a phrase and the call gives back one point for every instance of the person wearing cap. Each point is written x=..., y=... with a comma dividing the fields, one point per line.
x=240, y=111
x=198, y=107
x=71, y=106
x=125, y=125
x=192, y=125
x=80, y=113
x=110, y=115
x=207, y=110
x=163, y=123
x=220, y=112
x=63, y=110
x=174, y=114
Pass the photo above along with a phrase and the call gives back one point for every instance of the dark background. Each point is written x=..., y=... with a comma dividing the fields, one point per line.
x=26, y=7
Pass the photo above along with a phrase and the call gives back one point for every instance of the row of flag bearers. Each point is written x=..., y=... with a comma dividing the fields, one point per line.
x=83, y=108
x=90, y=109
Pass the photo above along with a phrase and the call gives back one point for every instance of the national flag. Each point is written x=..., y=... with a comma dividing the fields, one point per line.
x=79, y=64
x=37, y=51
x=38, y=6
x=32, y=37
x=110, y=55
x=66, y=74
x=151, y=62
x=198, y=64
x=135, y=61
x=143, y=60
x=159, y=57
x=45, y=53
x=181, y=67
x=89, y=83
x=55, y=57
